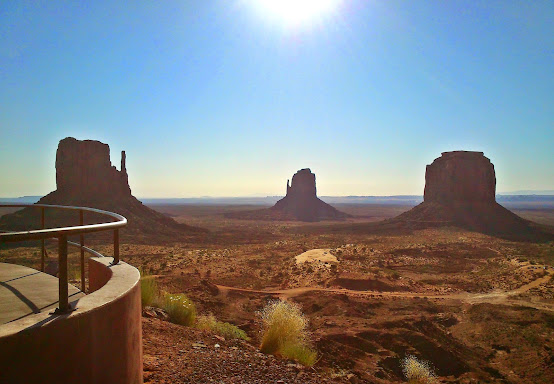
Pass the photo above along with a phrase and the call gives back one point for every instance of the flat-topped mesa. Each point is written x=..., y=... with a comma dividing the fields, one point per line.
x=84, y=168
x=460, y=177
x=460, y=191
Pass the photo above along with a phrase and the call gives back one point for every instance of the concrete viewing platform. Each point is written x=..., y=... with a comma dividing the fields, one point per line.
x=25, y=291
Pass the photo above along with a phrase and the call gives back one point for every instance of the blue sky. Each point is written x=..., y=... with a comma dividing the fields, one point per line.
x=219, y=98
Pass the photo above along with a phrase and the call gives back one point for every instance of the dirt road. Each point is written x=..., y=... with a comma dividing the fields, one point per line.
x=494, y=297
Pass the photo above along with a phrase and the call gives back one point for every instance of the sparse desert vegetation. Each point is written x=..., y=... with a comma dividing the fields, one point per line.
x=180, y=309
x=226, y=330
x=417, y=371
x=149, y=290
x=318, y=191
x=285, y=331
x=433, y=293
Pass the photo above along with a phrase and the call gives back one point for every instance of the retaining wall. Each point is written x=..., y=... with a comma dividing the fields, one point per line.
x=99, y=342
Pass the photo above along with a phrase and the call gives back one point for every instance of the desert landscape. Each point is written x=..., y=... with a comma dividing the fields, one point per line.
x=276, y=192
x=478, y=308
x=376, y=284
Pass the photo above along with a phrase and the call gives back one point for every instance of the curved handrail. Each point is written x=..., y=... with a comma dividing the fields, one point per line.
x=62, y=233
x=86, y=249
x=47, y=233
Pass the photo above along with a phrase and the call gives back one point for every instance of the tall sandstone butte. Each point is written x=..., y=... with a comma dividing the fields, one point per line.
x=86, y=177
x=460, y=190
x=83, y=168
x=460, y=176
x=301, y=201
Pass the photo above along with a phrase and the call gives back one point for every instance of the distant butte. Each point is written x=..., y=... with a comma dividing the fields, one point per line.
x=460, y=177
x=460, y=190
x=301, y=200
x=85, y=177
x=84, y=172
x=300, y=203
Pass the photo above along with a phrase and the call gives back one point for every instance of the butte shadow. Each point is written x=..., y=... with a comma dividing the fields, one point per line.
x=85, y=177
x=460, y=190
x=300, y=203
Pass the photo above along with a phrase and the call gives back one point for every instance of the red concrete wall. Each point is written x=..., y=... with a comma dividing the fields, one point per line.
x=102, y=344
x=98, y=275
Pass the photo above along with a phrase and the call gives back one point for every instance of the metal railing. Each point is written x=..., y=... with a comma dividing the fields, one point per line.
x=62, y=234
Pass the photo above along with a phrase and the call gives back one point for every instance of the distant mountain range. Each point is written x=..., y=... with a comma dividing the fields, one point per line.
x=514, y=200
x=529, y=192
x=20, y=200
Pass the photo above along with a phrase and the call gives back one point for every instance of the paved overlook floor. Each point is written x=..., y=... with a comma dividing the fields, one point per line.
x=24, y=291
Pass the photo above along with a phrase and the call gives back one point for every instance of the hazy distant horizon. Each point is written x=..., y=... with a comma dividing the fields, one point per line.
x=526, y=193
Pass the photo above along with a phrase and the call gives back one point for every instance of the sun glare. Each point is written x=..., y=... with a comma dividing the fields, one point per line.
x=297, y=12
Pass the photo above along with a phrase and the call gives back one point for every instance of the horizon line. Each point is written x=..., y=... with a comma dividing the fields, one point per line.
x=511, y=193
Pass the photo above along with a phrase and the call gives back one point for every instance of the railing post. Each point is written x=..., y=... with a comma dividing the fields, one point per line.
x=116, y=246
x=82, y=242
x=42, y=249
x=62, y=278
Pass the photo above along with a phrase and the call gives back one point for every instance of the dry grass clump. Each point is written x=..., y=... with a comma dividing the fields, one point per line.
x=149, y=291
x=417, y=371
x=180, y=309
x=227, y=330
x=285, y=331
x=302, y=353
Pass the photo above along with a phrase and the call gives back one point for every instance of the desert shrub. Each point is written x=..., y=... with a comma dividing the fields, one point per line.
x=229, y=331
x=395, y=275
x=149, y=291
x=285, y=331
x=302, y=353
x=417, y=371
x=180, y=309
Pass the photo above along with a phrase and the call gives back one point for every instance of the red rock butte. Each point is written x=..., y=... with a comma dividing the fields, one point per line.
x=460, y=176
x=85, y=177
x=84, y=167
x=300, y=203
x=460, y=190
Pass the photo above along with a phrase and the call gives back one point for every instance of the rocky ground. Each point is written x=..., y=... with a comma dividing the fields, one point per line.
x=176, y=354
x=478, y=307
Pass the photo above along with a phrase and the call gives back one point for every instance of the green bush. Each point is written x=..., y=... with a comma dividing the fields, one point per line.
x=180, y=309
x=149, y=291
x=302, y=353
x=416, y=371
x=229, y=331
x=285, y=331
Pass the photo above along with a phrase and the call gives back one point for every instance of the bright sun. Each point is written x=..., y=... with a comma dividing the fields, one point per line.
x=298, y=12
